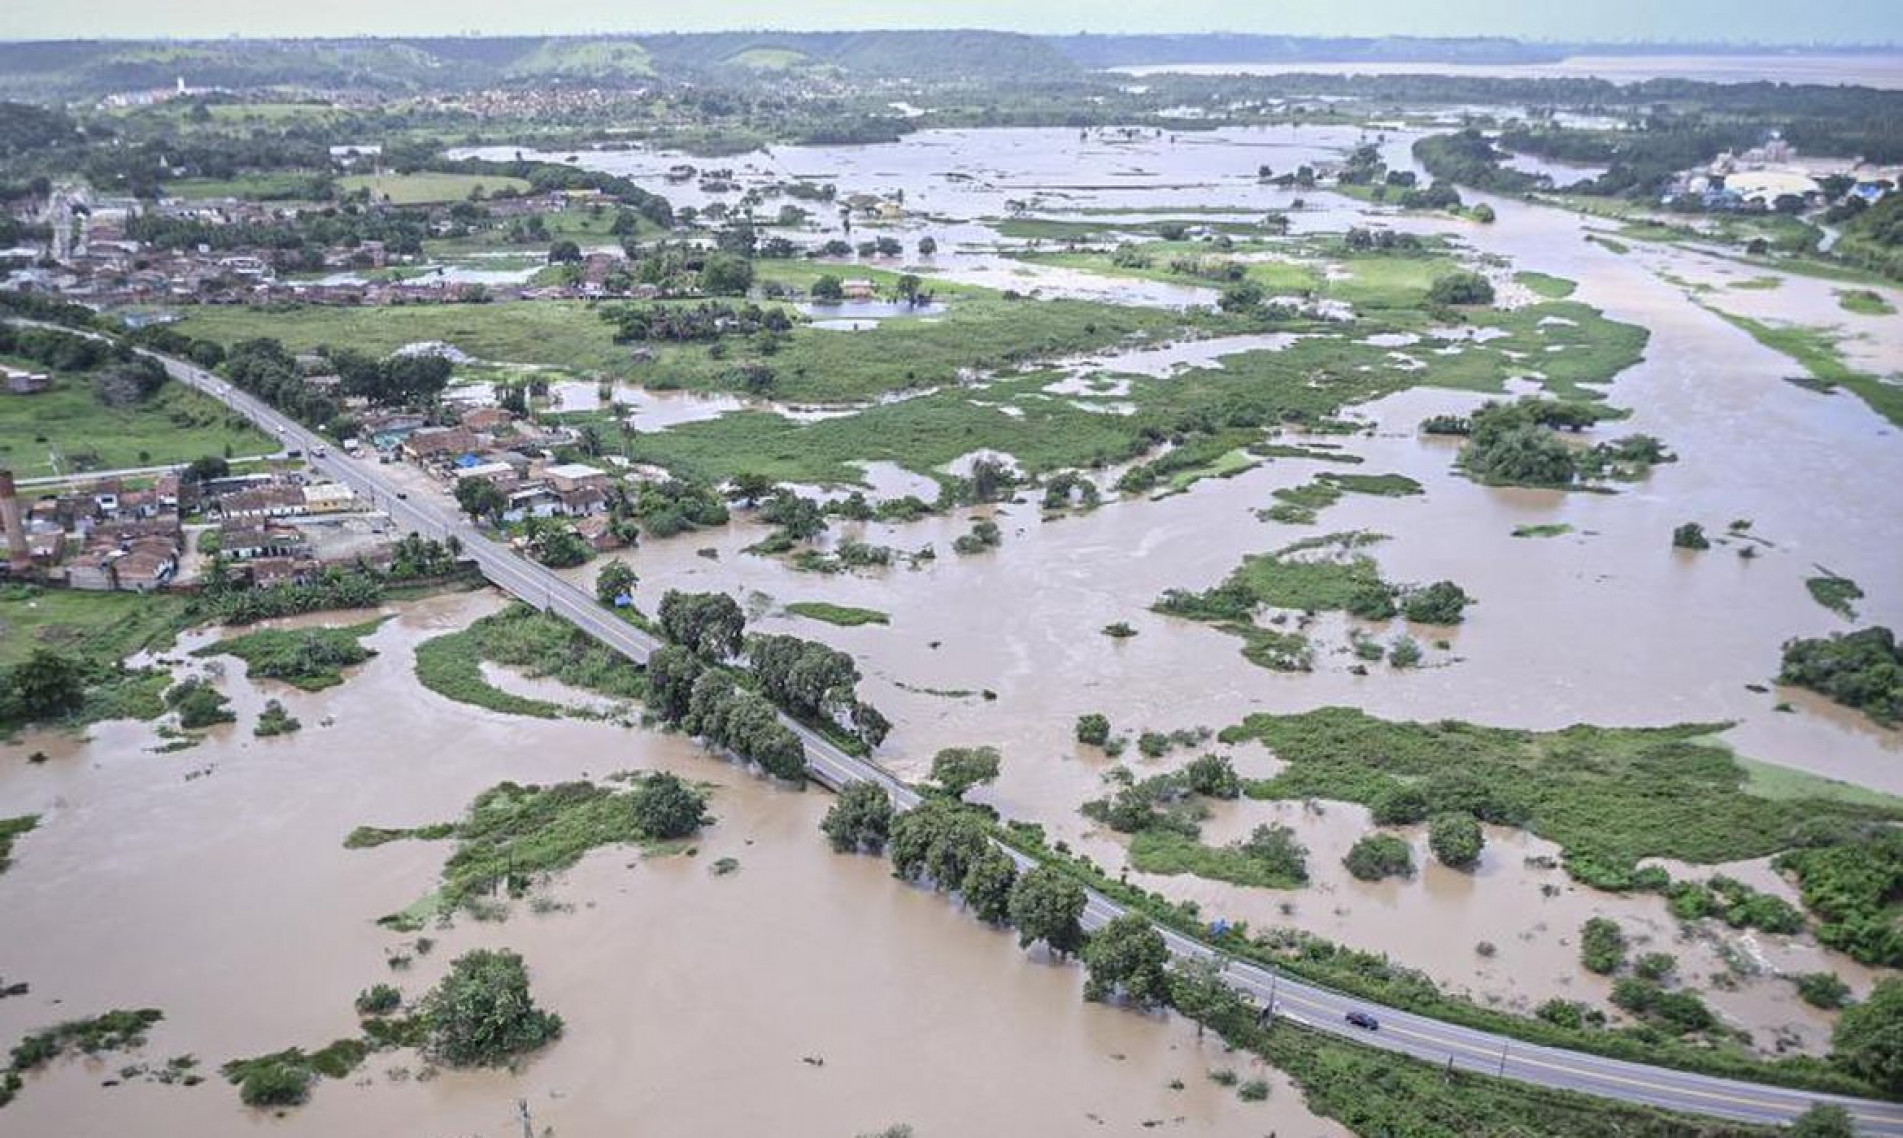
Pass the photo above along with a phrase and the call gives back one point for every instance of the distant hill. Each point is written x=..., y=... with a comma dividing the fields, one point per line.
x=1096, y=52
x=80, y=69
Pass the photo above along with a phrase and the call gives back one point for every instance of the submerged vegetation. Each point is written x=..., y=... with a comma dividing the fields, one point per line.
x=514, y=835
x=536, y=642
x=310, y=658
x=1862, y=669
x=1608, y=796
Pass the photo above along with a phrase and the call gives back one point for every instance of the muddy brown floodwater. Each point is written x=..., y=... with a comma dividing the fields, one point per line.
x=212, y=883
x=227, y=900
x=1605, y=625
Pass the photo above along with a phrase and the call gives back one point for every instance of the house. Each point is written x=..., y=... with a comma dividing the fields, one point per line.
x=486, y=418
x=570, y=476
x=438, y=442
x=499, y=474
x=532, y=502
x=274, y=501
x=140, y=566
x=20, y=382
x=599, y=533
x=583, y=501
x=266, y=572
x=328, y=498
x=858, y=289
x=46, y=548
x=243, y=541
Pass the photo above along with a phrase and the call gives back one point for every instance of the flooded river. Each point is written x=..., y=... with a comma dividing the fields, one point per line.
x=226, y=898
x=213, y=884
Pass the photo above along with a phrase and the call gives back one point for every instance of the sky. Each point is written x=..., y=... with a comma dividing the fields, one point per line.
x=1764, y=21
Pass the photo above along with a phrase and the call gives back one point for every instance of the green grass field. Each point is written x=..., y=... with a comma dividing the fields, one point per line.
x=428, y=187
x=174, y=426
x=250, y=186
x=102, y=626
x=1816, y=350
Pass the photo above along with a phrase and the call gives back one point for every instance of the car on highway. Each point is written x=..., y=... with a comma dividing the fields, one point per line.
x=318, y=452
x=1364, y=1021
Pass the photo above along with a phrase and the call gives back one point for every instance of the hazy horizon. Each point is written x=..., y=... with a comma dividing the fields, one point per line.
x=1829, y=23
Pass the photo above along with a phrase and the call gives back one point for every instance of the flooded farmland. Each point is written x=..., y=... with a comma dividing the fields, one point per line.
x=212, y=883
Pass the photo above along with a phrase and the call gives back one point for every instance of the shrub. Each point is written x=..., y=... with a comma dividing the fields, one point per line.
x=1456, y=840
x=1601, y=946
x=1822, y=989
x=1377, y=856
x=1093, y=729
x=379, y=999
x=1691, y=535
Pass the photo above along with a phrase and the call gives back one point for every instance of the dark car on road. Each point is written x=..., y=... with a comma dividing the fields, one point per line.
x=1364, y=1021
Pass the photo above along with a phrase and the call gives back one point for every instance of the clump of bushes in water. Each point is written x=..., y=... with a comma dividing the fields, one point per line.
x=984, y=535
x=1601, y=946
x=120, y=1030
x=1852, y=881
x=1691, y=535
x=1093, y=729
x=274, y=720
x=1862, y=669
x=310, y=658
x=198, y=704
x=1595, y=791
x=1313, y=575
x=1380, y=855
x=1514, y=444
x=481, y=1015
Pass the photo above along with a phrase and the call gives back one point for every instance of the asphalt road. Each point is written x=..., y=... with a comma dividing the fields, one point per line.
x=1433, y=1041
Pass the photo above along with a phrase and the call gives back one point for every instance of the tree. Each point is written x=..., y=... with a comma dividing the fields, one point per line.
x=1213, y=776
x=666, y=807
x=1461, y=287
x=1243, y=296
x=205, y=469
x=564, y=253
x=1198, y=991
x=1456, y=839
x=1869, y=1038
x=927, y=245
x=710, y=625
x=616, y=579
x=1823, y=1121
x=987, y=885
x=672, y=670
x=958, y=769
x=827, y=289
x=1438, y=603
x=1093, y=729
x=749, y=489
x=44, y=686
x=860, y=818
x=725, y=274
x=1130, y=956
x=1046, y=905
x=907, y=288
x=939, y=839
x=1378, y=855
x=480, y=498
x=482, y=1015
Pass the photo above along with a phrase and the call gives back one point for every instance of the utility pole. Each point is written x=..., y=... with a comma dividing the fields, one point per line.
x=522, y=1115
x=1503, y=1058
